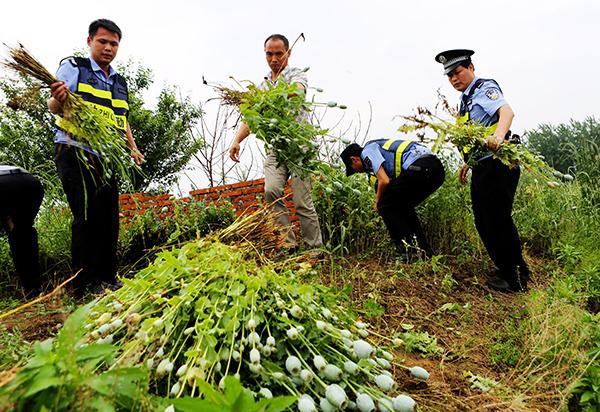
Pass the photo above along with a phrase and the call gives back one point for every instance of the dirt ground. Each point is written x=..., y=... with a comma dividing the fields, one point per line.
x=415, y=295
x=409, y=295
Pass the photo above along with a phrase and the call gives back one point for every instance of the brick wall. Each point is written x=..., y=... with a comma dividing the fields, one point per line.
x=245, y=197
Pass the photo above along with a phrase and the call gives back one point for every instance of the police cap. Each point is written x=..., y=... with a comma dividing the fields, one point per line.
x=353, y=149
x=452, y=58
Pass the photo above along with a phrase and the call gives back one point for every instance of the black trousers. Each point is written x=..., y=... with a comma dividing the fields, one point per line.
x=493, y=188
x=398, y=202
x=20, y=199
x=95, y=206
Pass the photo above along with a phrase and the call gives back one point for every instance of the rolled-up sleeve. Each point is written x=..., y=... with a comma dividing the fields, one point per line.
x=68, y=74
x=372, y=158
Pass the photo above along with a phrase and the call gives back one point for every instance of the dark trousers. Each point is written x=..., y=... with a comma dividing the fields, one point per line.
x=398, y=202
x=94, y=203
x=493, y=188
x=20, y=199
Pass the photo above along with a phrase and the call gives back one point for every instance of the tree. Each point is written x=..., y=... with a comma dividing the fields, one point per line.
x=572, y=148
x=557, y=142
x=164, y=134
x=26, y=128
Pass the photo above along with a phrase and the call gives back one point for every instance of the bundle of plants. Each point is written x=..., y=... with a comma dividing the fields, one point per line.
x=279, y=116
x=469, y=138
x=89, y=126
x=208, y=311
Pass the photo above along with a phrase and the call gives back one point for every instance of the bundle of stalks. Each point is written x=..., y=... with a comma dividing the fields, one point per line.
x=469, y=138
x=278, y=115
x=89, y=127
x=230, y=97
x=258, y=229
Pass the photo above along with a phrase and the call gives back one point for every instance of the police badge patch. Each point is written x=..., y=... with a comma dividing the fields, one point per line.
x=492, y=93
x=368, y=163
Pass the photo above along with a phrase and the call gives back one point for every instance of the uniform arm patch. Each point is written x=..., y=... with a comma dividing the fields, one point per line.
x=492, y=93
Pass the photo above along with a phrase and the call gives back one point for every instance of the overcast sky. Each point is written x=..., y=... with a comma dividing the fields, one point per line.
x=545, y=55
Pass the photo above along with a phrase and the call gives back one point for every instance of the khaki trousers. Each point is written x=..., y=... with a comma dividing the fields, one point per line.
x=275, y=180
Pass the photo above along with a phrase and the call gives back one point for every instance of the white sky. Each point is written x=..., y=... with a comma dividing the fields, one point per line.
x=545, y=55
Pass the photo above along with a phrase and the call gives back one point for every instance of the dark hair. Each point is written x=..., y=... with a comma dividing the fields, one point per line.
x=466, y=63
x=106, y=24
x=286, y=42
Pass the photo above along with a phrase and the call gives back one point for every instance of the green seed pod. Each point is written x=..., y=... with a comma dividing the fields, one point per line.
x=419, y=373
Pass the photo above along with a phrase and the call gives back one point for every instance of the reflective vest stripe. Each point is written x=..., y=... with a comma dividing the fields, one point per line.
x=102, y=94
x=399, y=151
x=119, y=121
x=398, y=162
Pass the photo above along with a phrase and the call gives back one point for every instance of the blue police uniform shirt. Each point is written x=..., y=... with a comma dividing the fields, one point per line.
x=374, y=156
x=70, y=75
x=485, y=102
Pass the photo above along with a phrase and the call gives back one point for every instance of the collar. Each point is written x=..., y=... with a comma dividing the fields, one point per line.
x=97, y=68
x=469, y=87
x=281, y=74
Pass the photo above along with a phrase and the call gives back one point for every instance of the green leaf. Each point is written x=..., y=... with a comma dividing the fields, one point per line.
x=95, y=351
x=42, y=383
x=586, y=397
x=100, y=404
x=276, y=404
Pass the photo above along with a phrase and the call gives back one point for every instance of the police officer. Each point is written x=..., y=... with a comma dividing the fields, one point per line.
x=493, y=184
x=21, y=195
x=94, y=201
x=405, y=174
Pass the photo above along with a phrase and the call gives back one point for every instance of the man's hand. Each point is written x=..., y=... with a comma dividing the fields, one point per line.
x=462, y=174
x=59, y=91
x=137, y=156
x=494, y=142
x=375, y=206
x=234, y=151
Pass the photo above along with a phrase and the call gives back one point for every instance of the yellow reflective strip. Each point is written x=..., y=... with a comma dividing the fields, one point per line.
x=399, y=152
x=373, y=181
x=120, y=104
x=388, y=144
x=86, y=88
x=120, y=122
x=462, y=119
x=102, y=94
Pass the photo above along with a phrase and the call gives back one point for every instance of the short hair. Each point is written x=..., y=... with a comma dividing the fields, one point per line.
x=106, y=24
x=466, y=63
x=286, y=42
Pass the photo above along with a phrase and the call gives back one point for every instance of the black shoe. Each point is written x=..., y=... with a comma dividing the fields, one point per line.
x=112, y=285
x=97, y=289
x=501, y=285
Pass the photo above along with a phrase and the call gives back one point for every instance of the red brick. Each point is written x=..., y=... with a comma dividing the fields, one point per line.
x=247, y=198
x=254, y=189
x=258, y=182
x=200, y=191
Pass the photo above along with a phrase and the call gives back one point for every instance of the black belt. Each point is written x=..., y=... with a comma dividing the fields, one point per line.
x=15, y=171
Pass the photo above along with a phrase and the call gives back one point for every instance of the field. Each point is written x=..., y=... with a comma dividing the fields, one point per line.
x=483, y=350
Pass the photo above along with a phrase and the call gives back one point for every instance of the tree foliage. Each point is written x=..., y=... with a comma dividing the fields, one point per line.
x=572, y=148
x=559, y=143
